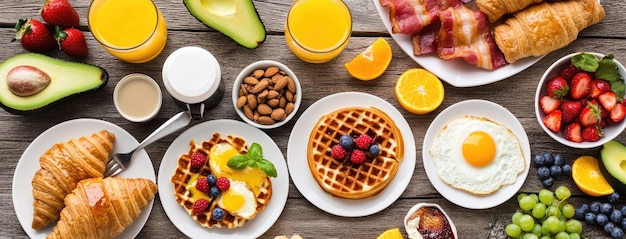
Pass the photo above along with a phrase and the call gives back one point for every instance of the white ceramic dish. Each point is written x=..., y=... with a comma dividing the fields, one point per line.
x=413, y=229
x=203, y=131
x=489, y=110
x=141, y=167
x=457, y=72
x=122, y=88
x=264, y=64
x=306, y=184
x=610, y=132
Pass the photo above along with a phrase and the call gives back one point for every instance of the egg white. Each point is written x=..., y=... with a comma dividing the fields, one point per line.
x=453, y=169
x=238, y=188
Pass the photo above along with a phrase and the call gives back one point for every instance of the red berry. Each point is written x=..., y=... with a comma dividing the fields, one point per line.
x=59, y=12
x=591, y=134
x=549, y=104
x=363, y=141
x=200, y=206
x=72, y=42
x=223, y=184
x=203, y=185
x=570, y=110
x=589, y=115
x=618, y=112
x=580, y=86
x=198, y=160
x=34, y=36
x=552, y=121
x=338, y=152
x=608, y=100
x=573, y=132
x=598, y=87
x=357, y=156
x=557, y=87
x=568, y=72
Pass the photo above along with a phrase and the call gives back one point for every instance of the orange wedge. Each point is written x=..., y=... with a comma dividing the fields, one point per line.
x=419, y=91
x=371, y=63
x=588, y=177
x=393, y=233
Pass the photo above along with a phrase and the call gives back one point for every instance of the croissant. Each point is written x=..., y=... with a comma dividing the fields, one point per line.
x=494, y=9
x=545, y=27
x=103, y=208
x=62, y=167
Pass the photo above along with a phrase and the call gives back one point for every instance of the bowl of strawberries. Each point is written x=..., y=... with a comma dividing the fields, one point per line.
x=580, y=101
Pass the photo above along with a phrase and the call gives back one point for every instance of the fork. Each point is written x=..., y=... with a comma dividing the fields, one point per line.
x=120, y=161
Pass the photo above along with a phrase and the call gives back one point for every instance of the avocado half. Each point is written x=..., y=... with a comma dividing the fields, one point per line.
x=237, y=19
x=613, y=165
x=67, y=79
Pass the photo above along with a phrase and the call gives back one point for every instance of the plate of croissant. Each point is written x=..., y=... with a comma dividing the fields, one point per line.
x=471, y=43
x=59, y=190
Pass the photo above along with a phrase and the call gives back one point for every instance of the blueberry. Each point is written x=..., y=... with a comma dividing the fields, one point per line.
x=567, y=169
x=214, y=192
x=539, y=160
x=608, y=227
x=623, y=211
x=211, y=179
x=617, y=232
x=374, y=150
x=555, y=170
x=624, y=223
x=218, y=214
x=616, y=216
x=584, y=207
x=558, y=160
x=595, y=206
x=549, y=160
x=547, y=183
x=602, y=220
x=606, y=208
x=543, y=172
x=590, y=218
x=614, y=197
x=579, y=214
x=346, y=141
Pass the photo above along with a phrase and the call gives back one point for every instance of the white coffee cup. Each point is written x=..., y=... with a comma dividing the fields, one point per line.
x=137, y=97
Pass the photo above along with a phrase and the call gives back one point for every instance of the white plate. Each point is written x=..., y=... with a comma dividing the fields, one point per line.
x=201, y=132
x=495, y=113
x=306, y=184
x=455, y=72
x=141, y=167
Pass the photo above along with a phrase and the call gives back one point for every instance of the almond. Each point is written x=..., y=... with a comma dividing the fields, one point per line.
x=272, y=70
x=250, y=80
x=289, y=95
x=264, y=109
x=266, y=120
x=273, y=94
x=242, y=101
x=289, y=108
x=278, y=114
x=291, y=85
x=281, y=83
x=273, y=103
x=252, y=103
x=256, y=116
x=258, y=73
x=262, y=96
x=248, y=112
x=260, y=86
x=282, y=102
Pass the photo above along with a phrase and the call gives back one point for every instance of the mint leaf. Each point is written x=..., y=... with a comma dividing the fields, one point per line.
x=607, y=70
x=585, y=62
x=238, y=161
x=618, y=88
x=267, y=167
x=255, y=152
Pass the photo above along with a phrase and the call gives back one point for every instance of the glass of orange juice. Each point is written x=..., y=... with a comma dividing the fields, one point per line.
x=316, y=31
x=131, y=30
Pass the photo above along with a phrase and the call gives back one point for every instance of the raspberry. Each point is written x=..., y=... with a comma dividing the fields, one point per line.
x=202, y=185
x=223, y=183
x=338, y=152
x=197, y=160
x=363, y=141
x=218, y=214
x=357, y=156
x=200, y=206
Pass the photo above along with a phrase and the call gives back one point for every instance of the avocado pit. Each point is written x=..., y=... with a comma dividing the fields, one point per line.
x=27, y=80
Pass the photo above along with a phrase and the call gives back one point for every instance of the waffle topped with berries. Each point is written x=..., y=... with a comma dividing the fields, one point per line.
x=213, y=194
x=355, y=152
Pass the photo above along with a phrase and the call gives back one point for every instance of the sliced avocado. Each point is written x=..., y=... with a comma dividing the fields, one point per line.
x=613, y=164
x=66, y=79
x=237, y=19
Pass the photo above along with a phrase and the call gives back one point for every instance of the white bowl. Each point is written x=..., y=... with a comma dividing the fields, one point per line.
x=137, y=97
x=610, y=132
x=411, y=229
x=264, y=64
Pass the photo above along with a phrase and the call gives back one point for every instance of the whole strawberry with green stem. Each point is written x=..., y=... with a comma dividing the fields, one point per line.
x=60, y=13
x=34, y=35
x=71, y=41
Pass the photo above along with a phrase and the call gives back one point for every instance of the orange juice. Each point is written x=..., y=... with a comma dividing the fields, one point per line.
x=131, y=30
x=317, y=31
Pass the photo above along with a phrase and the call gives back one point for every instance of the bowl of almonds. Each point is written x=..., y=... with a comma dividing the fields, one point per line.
x=266, y=94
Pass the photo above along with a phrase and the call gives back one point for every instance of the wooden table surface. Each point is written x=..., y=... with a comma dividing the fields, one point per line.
x=299, y=216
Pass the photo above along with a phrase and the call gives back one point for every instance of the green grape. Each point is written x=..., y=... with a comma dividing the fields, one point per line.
x=536, y=229
x=546, y=196
x=568, y=210
x=527, y=203
x=516, y=216
x=544, y=237
x=573, y=226
x=544, y=230
x=513, y=230
x=553, y=211
x=562, y=235
x=520, y=196
x=562, y=193
x=527, y=223
x=539, y=211
x=561, y=224
x=534, y=197
x=574, y=235
x=530, y=236
x=552, y=223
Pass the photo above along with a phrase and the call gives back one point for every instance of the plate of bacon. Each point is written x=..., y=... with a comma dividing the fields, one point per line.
x=451, y=39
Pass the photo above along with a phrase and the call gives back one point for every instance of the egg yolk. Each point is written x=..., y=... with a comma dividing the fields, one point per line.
x=479, y=149
x=221, y=153
x=232, y=200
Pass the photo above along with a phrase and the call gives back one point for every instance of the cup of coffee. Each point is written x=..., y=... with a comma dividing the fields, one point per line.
x=192, y=76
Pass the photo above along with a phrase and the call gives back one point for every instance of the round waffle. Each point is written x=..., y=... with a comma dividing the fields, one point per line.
x=184, y=175
x=342, y=178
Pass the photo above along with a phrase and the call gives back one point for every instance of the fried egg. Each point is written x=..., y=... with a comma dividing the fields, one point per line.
x=218, y=161
x=238, y=200
x=477, y=155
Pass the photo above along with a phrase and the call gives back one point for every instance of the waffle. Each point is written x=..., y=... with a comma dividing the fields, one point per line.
x=341, y=178
x=184, y=175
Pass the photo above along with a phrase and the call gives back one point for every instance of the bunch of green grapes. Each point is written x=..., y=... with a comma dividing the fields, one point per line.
x=545, y=215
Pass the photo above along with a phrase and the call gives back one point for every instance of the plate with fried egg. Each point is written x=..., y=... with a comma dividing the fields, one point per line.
x=476, y=154
x=252, y=228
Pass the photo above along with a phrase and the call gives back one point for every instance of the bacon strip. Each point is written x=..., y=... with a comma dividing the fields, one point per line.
x=411, y=16
x=426, y=41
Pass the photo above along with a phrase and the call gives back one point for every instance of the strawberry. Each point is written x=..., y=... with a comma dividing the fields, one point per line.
x=591, y=134
x=549, y=104
x=72, y=42
x=34, y=35
x=608, y=100
x=557, y=87
x=580, y=86
x=59, y=12
x=618, y=112
x=570, y=110
x=573, y=132
x=589, y=115
x=568, y=72
x=552, y=121
x=598, y=87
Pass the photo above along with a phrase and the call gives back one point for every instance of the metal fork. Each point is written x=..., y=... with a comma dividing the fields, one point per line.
x=120, y=161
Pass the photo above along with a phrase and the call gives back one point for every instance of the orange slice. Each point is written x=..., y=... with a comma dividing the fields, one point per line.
x=588, y=177
x=393, y=233
x=419, y=91
x=371, y=63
